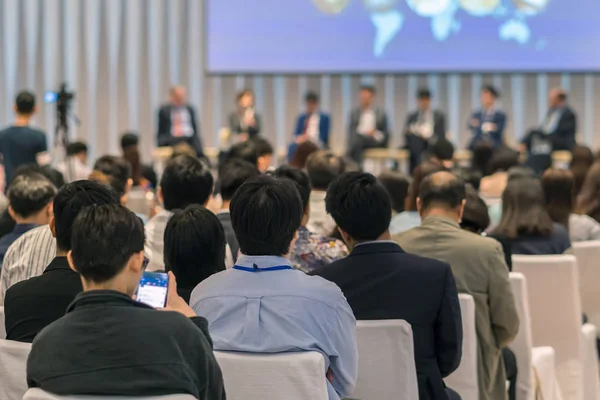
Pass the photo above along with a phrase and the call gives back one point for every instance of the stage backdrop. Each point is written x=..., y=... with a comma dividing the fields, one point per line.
x=121, y=56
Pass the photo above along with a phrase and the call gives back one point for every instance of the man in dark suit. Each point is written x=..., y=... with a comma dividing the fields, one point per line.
x=313, y=125
x=487, y=124
x=177, y=122
x=368, y=127
x=423, y=127
x=381, y=281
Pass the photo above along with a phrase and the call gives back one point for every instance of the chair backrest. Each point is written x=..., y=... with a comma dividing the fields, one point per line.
x=522, y=346
x=13, y=369
x=290, y=376
x=464, y=379
x=386, y=362
x=39, y=394
x=588, y=255
x=2, y=325
x=555, y=307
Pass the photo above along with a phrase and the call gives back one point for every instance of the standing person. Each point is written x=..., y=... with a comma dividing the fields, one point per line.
x=368, y=127
x=21, y=144
x=177, y=122
x=244, y=123
x=422, y=127
x=312, y=125
x=488, y=123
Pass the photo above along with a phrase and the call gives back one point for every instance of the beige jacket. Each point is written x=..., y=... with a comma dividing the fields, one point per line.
x=480, y=270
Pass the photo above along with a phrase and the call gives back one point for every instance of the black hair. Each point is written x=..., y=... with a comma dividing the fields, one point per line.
x=323, y=167
x=246, y=151
x=423, y=93
x=52, y=174
x=449, y=192
x=186, y=180
x=469, y=175
x=442, y=149
x=491, y=90
x=25, y=102
x=266, y=213
x=129, y=139
x=475, y=217
x=396, y=185
x=360, y=205
x=28, y=194
x=243, y=93
x=300, y=178
x=233, y=175
x=504, y=159
x=69, y=202
x=117, y=171
x=104, y=239
x=368, y=88
x=263, y=147
x=194, y=245
x=311, y=97
x=562, y=96
x=75, y=148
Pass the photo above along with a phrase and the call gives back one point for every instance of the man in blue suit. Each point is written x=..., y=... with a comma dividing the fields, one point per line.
x=313, y=125
x=487, y=124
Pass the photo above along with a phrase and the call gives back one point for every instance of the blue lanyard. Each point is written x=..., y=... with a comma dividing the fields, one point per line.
x=256, y=269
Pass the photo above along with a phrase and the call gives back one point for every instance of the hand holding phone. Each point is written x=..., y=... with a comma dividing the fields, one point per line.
x=175, y=302
x=153, y=289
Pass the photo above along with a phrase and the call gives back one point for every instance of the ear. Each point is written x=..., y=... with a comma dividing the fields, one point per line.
x=129, y=185
x=345, y=237
x=15, y=108
x=136, y=261
x=419, y=205
x=50, y=209
x=52, y=225
x=461, y=209
x=159, y=196
x=11, y=212
x=70, y=260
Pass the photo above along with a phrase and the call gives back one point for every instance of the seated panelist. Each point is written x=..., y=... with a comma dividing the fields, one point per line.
x=487, y=124
x=177, y=122
x=313, y=125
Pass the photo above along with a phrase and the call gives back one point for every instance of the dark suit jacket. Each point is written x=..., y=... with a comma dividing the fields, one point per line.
x=235, y=125
x=324, y=127
x=495, y=137
x=439, y=123
x=165, y=138
x=225, y=219
x=563, y=137
x=381, y=281
x=33, y=304
x=381, y=124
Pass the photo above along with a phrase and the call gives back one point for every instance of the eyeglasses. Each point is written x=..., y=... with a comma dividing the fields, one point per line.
x=145, y=263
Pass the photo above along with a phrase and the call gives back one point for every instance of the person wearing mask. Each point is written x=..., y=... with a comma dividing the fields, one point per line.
x=104, y=355
x=487, y=124
x=245, y=122
x=20, y=144
x=311, y=126
x=368, y=127
x=177, y=122
x=393, y=285
x=263, y=305
x=311, y=251
x=33, y=304
x=588, y=201
x=75, y=167
x=423, y=127
x=185, y=181
x=479, y=269
x=493, y=185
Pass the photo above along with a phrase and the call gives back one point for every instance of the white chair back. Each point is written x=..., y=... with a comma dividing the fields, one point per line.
x=39, y=394
x=386, y=362
x=464, y=379
x=588, y=255
x=290, y=376
x=13, y=369
x=555, y=308
x=2, y=324
x=589, y=335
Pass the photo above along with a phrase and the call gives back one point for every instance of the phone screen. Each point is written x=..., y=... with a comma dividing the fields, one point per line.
x=153, y=289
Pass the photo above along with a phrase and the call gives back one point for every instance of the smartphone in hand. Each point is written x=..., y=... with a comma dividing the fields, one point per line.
x=153, y=289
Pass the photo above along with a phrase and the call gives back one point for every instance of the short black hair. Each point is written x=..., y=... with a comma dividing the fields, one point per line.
x=323, y=167
x=266, y=213
x=368, y=88
x=233, y=175
x=442, y=149
x=129, y=139
x=104, y=239
x=396, y=185
x=311, y=97
x=469, y=175
x=442, y=188
x=69, y=202
x=246, y=151
x=491, y=90
x=475, y=217
x=299, y=177
x=194, y=245
x=423, y=93
x=50, y=173
x=504, y=159
x=263, y=147
x=186, y=180
x=360, y=205
x=243, y=93
x=28, y=194
x=117, y=170
x=25, y=102
x=75, y=148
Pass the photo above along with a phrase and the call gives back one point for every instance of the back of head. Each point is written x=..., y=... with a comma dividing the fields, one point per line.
x=300, y=179
x=482, y=155
x=420, y=173
x=25, y=103
x=491, y=90
x=323, y=167
x=28, y=194
x=396, y=185
x=69, y=202
x=360, y=205
x=559, y=192
x=194, y=245
x=303, y=151
x=233, y=174
x=442, y=190
x=52, y=174
x=117, y=170
x=423, y=93
x=521, y=172
x=504, y=159
x=104, y=239
x=263, y=147
x=246, y=151
x=186, y=180
x=443, y=150
x=469, y=175
x=76, y=148
x=588, y=201
x=475, y=216
x=581, y=155
x=129, y=139
x=131, y=153
x=266, y=213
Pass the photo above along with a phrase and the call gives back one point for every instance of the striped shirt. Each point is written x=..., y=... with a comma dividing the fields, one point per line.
x=27, y=257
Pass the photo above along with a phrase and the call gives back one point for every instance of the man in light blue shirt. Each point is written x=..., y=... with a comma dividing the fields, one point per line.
x=263, y=305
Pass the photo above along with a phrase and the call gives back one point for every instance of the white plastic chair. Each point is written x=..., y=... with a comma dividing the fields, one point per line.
x=386, y=362
x=464, y=379
x=590, y=362
x=39, y=394
x=2, y=324
x=13, y=369
x=588, y=256
x=290, y=376
x=555, y=308
x=536, y=365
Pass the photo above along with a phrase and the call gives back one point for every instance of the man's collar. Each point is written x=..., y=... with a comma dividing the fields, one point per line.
x=104, y=297
x=433, y=219
x=262, y=261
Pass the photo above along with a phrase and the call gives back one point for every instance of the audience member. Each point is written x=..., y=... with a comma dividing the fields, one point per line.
x=33, y=304
x=481, y=158
x=75, y=167
x=525, y=222
x=244, y=123
x=30, y=205
x=264, y=151
x=469, y=175
x=582, y=159
x=478, y=265
x=312, y=126
x=588, y=201
x=397, y=185
x=311, y=251
x=303, y=151
x=185, y=181
x=559, y=190
x=194, y=247
x=487, y=124
x=141, y=175
x=322, y=167
x=104, y=355
x=263, y=305
x=495, y=209
x=114, y=172
x=493, y=185
x=393, y=285
x=246, y=151
x=442, y=152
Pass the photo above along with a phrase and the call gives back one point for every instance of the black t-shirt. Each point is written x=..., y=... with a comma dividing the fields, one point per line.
x=19, y=145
